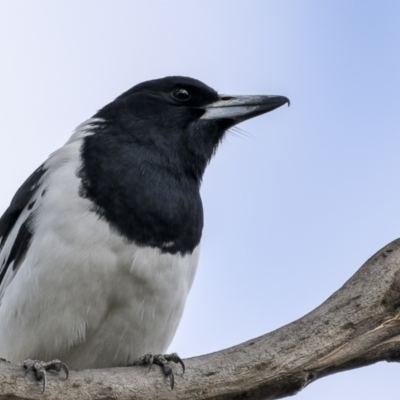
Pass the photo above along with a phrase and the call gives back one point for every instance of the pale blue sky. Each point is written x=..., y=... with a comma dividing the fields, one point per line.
x=292, y=208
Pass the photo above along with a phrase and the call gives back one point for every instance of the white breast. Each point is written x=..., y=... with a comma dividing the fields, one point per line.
x=83, y=294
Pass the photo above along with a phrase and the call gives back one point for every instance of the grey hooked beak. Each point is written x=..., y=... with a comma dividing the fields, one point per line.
x=240, y=108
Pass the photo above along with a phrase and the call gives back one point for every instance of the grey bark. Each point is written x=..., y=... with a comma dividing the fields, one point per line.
x=357, y=326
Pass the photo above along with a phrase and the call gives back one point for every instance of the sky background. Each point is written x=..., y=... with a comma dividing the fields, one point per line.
x=296, y=204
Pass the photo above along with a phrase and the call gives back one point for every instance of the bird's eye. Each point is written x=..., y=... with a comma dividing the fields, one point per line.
x=180, y=94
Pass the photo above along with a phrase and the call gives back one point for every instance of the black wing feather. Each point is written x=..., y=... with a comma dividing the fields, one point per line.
x=10, y=217
x=18, y=203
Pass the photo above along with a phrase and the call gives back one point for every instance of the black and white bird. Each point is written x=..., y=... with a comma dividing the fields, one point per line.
x=100, y=245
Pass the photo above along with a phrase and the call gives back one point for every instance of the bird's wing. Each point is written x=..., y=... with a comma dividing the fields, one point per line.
x=16, y=226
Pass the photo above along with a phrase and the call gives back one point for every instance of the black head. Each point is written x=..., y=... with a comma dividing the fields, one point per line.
x=183, y=117
x=143, y=165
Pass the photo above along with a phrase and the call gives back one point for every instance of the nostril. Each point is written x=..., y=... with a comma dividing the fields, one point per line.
x=227, y=98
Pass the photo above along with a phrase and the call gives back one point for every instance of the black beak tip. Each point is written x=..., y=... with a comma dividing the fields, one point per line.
x=286, y=101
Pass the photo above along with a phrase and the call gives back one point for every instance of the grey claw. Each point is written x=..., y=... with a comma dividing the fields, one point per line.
x=149, y=359
x=28, y=369
x=43, y=376
x=65, y=368
x=176, y=359
x=171, y=379
x=163, y=362
x=169, y=374
x=40, y=368
x=182, y=365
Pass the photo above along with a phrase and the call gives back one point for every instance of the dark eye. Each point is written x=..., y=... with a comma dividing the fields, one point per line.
x=180, y=94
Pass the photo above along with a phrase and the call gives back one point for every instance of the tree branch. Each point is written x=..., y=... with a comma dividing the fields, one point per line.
x=357, y=326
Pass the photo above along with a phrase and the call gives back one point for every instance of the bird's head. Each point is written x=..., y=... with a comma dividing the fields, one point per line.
x=183, y=119
x=144, y=158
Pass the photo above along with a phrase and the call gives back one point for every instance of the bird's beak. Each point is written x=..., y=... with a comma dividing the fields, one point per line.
x=240, y=108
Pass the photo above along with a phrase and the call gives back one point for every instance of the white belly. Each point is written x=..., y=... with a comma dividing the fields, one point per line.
x=87, y=297
x=94, y=306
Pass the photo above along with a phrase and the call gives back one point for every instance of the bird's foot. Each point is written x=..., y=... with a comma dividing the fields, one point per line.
x=40, y=368
x=163, y=361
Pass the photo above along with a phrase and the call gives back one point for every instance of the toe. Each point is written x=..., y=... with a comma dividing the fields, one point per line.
x=40, y=368
x=42, y=376
x=176, y=359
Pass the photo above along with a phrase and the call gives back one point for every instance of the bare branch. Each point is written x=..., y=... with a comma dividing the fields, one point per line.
x=357, y=326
